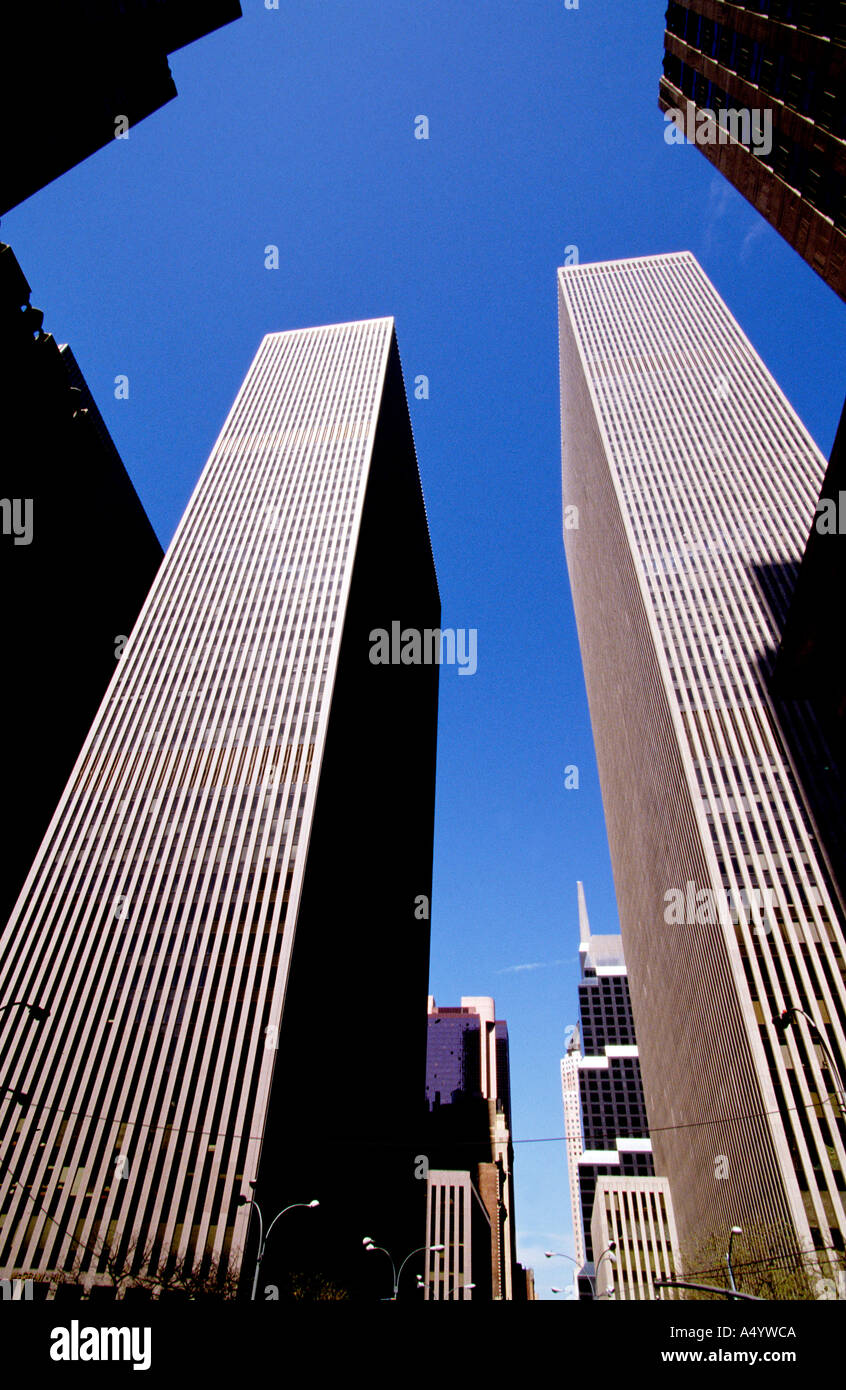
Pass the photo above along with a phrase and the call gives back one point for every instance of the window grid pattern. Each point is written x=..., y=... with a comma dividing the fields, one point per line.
x=153, y=922
x=636, y=1215
x=450, y=1199
x=573, y=1135
x=787, y=59
x=714, y=483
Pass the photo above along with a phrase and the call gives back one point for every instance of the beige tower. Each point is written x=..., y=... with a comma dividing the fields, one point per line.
x=689, y=486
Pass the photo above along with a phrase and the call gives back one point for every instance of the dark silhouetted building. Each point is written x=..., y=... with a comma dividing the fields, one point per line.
x=811, y=663
x=524, y=1285
x=73, y=578
x=469, y=1132
x=75, y=74
x=760, y=85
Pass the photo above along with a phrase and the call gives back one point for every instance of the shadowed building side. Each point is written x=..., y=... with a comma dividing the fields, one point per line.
x=73, y=587
x=811, y=662
x=468, y=1130
x=345, y=1110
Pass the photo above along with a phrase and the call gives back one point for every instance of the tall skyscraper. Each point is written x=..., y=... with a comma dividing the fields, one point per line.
x=609, y=1133
x=468, y=1093
x=75, y=76
x=241, y=856
x=573, y=1136
x=759, y=86
x=689, y=485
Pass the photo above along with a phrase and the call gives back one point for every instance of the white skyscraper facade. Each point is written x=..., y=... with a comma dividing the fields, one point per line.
x=689, y=488
x=573, y=1136
x=193, y=902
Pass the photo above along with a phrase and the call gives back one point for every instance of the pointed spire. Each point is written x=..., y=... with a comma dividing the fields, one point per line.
x=584, y=924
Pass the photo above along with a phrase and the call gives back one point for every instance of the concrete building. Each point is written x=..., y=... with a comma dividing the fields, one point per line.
x=74, y=77
x=759, y=87
x=683, y=551
x=634, y=1236
x=457, y=1219
x=199, y=899
x=469, y=1129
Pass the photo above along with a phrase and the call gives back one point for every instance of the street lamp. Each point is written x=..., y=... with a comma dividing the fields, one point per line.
x=458, y=1286
x=608, y=1253
x=735, y=1231
x=421, y=1284
x=783, y=1022
x=244, y=1201
x=562, y=1255
x=368, y=1244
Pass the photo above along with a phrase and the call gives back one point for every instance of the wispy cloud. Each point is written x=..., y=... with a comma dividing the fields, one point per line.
x=532, y=965
x=756, y=231
x=719, y=198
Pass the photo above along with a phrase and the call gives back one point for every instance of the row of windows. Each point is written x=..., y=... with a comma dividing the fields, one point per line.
x=803, y=168
x=825, y=18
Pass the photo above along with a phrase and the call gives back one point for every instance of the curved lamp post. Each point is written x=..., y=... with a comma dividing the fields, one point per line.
x=783, y=1022
x=562, y=1255
x=368, y=1244
x=735, y=1231
x=244, y=1201
x=609, y=1253
x=421, y=1284
x=456, y=1288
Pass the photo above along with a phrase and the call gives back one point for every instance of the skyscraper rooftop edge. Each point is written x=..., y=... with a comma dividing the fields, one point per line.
x=387, y=321
x=619, y=262
x=380, y=319
x=630, y=265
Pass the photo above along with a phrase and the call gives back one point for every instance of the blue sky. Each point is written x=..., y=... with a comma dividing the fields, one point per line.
x=295, y=128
